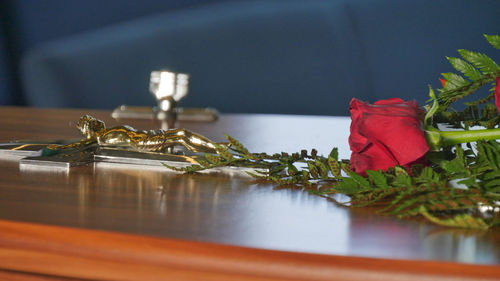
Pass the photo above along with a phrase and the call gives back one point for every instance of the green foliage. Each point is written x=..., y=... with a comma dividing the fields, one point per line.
x=377, y=178
x=487, y=117
x=428, y=192
x=478, y=69
x=465, y=68
x=494, y=40
x=460, y=220
x=454, y=81
x=431, y=109
x=480, y=61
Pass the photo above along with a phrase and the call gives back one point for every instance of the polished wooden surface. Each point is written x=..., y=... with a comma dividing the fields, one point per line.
x=48, y=252
x=220, y=208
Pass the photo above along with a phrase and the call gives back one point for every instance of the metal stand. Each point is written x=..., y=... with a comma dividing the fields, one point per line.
x=168, y=88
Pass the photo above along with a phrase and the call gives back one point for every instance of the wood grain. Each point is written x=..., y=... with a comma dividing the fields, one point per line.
x=97, y=255
x=10, y=275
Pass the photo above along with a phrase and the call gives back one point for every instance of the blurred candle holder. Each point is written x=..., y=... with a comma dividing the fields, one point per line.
x=168, y=88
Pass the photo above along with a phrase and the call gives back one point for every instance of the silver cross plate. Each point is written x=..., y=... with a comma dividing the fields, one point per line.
x=35, y=155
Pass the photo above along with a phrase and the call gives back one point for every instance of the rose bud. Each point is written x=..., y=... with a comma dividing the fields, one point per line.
x=391, y=132
x=385, y=134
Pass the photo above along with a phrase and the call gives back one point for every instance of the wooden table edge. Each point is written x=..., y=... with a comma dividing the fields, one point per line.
x=64, y=252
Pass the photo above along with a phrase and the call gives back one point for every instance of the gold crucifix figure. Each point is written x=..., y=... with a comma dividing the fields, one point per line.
x=125, y=136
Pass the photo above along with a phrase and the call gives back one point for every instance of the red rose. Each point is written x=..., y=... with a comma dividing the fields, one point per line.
x=386, y=134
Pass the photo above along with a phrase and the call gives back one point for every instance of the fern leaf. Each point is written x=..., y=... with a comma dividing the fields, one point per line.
x=453, y=81
x=494, y=40
x=435, y=105
x=173, y=168
x=398, y=198
x=402, y=181
x=222, y=151
x=491, y=175
x=400, y=171
x=334, y=153
x=370, y=202
x=215, y=160
x=465, y=68
x=203, y=163
x=483, y=100
x=334, y=166
x=363, y=182
x=187, y=169
x=480, y=61
x=236, y=145
x=490, y=153
x=261, y=177
x=278, y=169
x=492, y=184
x=461, y=220
x=323, y=170
x=292, y=170
x=313, y=170
x=411, y=201
x=378, y=179
x=347, y=186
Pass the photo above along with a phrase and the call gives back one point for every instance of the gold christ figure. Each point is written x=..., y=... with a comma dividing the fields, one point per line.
x=125, y=136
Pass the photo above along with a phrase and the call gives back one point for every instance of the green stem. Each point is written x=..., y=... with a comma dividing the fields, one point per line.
x=456, y=137
x=437, y=139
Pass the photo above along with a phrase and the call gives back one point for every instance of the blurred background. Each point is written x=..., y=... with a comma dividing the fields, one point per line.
x=272, y=56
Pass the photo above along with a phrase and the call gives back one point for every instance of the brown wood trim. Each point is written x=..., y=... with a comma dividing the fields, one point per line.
x=98, y=255
x=7, y=275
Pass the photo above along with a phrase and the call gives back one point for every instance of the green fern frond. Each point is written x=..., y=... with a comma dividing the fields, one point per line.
x=465, y=68
x=461, y=220
x=494, y=40
x=480, y=61
x=453, y=81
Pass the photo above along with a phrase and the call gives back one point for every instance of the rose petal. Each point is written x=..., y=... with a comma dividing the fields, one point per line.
x=389, y=107
x=389, y=101
x=393, y=107
x=356, y=141
x=401, y=135
x=371, y=158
